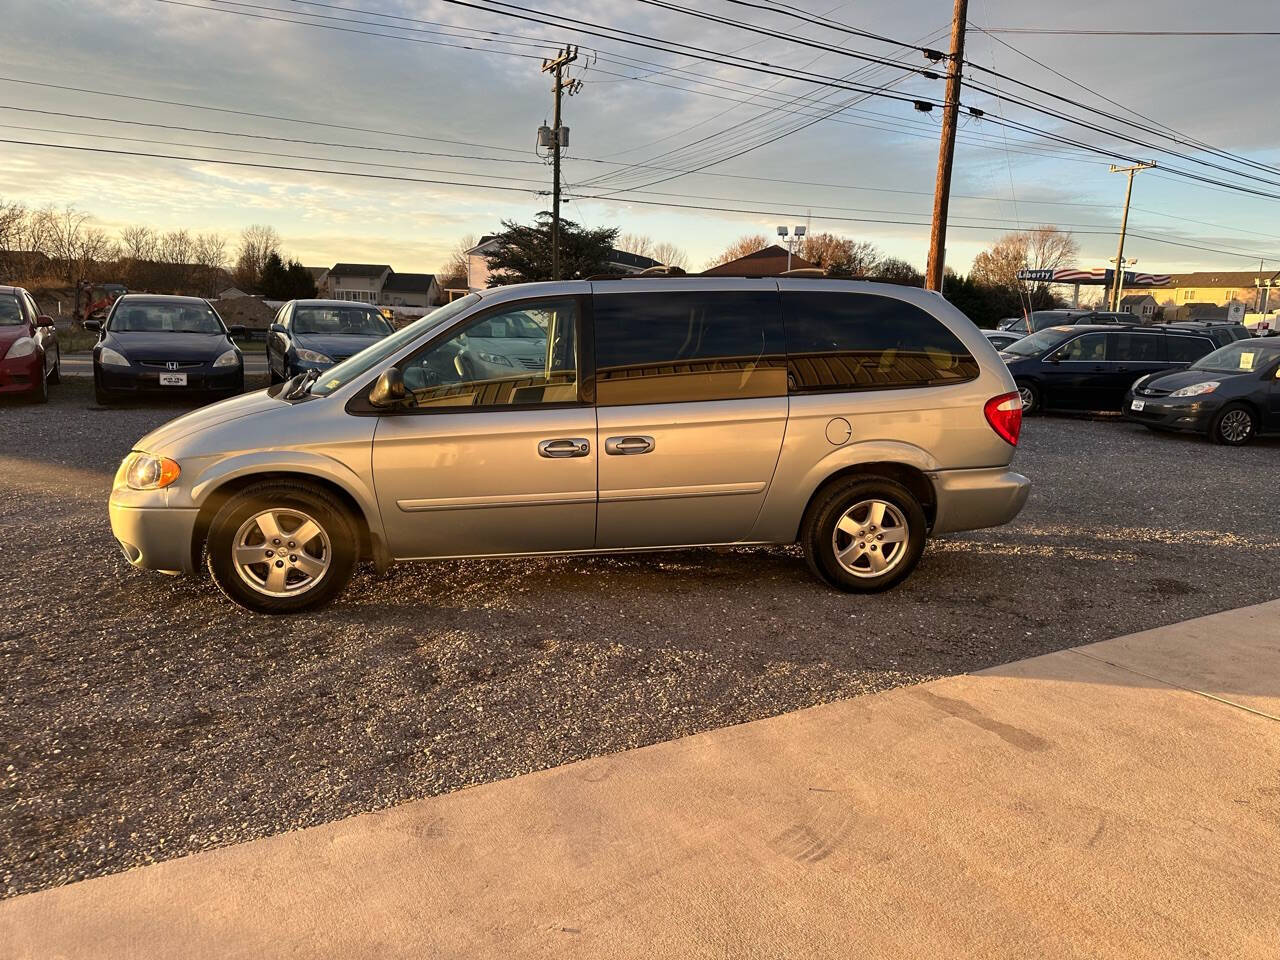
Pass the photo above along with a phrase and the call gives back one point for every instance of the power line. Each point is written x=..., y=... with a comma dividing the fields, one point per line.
x=1135, y=33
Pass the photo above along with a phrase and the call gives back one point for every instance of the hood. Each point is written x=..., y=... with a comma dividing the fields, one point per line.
x=1168, y=382
x=161, y=347
x=161, y=439
x=337, y=346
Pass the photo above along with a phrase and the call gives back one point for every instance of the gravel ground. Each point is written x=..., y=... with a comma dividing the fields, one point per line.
x=143, y=718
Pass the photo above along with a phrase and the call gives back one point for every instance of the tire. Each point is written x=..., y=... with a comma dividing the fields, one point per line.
x=55, y=375
x=282, y=506
x=103, y=398
x=1234, y=426
x=40, y=390
x=1032, y=401
x=860, y=500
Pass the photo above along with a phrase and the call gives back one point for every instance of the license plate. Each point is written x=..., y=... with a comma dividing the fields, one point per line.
x=1137, y=405
x=173, y=379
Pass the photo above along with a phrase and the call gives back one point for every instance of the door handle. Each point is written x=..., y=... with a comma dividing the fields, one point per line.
x=627, y=446
x=565, y=447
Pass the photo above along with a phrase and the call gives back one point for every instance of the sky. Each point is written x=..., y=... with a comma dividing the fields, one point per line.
x=441, y=101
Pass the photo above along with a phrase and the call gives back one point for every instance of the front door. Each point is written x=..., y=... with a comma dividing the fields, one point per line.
x=691, y=407
x=1075, y=374
x=494, y=450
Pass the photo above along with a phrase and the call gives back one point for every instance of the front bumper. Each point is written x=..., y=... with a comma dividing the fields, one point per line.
x=972, y=499
x=1192, y=414
x=153, y=538
x=21, y=374
x=139, y=379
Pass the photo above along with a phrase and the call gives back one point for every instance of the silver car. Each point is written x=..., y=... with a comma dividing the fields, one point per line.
x=594, y=417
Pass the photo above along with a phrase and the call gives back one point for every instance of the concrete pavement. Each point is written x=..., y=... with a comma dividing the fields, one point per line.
x=1119, y=799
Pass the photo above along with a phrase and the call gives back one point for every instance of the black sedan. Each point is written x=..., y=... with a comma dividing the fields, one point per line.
x=1232, y=395
x=165, y=345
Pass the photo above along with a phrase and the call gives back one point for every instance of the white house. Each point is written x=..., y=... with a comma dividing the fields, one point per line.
x=377, y=283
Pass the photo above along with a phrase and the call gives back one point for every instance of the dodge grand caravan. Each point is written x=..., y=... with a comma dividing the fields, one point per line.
x=602, y=416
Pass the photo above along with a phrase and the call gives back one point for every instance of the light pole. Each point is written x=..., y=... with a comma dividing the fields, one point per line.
x=799, y=233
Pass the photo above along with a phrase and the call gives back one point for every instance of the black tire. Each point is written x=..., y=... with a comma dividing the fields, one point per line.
x=40, y=389
x=1032, y=398
x=819, y=538
x=103, y=398
x=1234, y=426
x=329, y=514
x=55, y=375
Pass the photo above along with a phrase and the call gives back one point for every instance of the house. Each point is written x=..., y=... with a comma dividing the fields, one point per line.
x=478, y=265
x=769, y=262
x=410, y=290
x=361, y=282
x=1141, y=305
x=320, y=275
x=1213, y=287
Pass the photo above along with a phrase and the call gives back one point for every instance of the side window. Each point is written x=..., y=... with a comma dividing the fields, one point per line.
x=1188, y=349
x=676, y=347
x=520, y=354
x=859, y=341
x=1092, y=347
x=1136, y=347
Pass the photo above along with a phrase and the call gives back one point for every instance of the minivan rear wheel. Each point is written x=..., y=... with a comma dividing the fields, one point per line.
x=863, y=534
x=282, y=547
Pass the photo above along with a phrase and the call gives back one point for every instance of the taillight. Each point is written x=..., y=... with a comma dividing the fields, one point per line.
x=1004, y=413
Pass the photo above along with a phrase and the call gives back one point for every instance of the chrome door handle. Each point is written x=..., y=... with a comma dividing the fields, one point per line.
x=626, y=446
x=566, y=447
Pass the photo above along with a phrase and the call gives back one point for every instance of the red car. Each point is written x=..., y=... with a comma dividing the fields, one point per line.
x=29, y=355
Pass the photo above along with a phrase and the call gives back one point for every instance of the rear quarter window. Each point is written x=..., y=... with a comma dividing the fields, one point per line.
x=861, y=341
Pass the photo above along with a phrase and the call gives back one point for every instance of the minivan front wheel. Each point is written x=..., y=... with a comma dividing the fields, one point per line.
x=864, y=534
x=1234, y=425
x=282, y=547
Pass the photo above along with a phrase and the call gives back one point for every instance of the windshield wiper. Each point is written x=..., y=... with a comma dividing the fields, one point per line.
x=302, y=384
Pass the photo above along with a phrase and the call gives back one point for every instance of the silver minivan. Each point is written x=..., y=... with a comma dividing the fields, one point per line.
x=595, y=417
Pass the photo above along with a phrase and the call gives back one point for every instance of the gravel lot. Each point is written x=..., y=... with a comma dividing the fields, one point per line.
x=143, y=718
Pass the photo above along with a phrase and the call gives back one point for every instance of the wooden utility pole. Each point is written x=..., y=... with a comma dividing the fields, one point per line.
x=947, y=149
x=1118, y=283
x=556, y=66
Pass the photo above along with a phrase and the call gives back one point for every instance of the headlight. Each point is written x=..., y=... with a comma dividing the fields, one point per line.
x=22, y=347
x=310, y=356
x=495, y=358
x=112, y=358
x=142, y=471
x=228, y=359
x=1197, y=388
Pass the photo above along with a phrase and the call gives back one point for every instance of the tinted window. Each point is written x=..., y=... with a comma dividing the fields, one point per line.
x=673, y=347
x=520, y=354
x=172, y=317
x=339, y=321
x=1136, y=347
x=1187, y=349
x=860, y=341
x=1092, y=347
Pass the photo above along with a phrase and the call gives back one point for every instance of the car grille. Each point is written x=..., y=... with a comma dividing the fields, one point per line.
x=178, y=365
x=1151, y=392
x=530, y=363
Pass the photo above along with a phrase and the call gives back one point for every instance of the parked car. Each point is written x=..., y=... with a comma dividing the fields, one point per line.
x=1043, y=319
x=165, y=345
x=1089, y=367
x=1232, y=395
x=29, y=356
x=1002, y=338
x=663, y=413
x=316, y=334
x=1221, y=330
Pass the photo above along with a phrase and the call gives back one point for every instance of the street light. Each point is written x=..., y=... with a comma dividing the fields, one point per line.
x=799, y=232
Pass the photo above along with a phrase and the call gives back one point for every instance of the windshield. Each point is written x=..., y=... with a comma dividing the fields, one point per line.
x=11, y=313
x=1243, y=356
x=340, y=321
x=371, y=356
x=1038, y=343
x=164, y=318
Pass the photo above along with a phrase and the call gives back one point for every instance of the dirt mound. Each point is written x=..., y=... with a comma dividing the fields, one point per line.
x=245, y=311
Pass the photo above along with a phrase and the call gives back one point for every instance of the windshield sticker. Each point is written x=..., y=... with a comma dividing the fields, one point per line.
x=1246, y=361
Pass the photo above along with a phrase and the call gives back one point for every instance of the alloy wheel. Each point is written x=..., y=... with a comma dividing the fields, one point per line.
x=282, y=552
x=1028, y=397
x=870, y=538
x=1236, y=425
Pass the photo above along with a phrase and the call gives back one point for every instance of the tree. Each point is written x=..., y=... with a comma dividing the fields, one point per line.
x=896, y=270
x=840, y=256
x=1044, y=248
x=523, y=252
x=642, y=245
x=744, y=245
x=211, y=262
x=302, y=284
x=257, y=243
x=285, y=281
x=454, y=271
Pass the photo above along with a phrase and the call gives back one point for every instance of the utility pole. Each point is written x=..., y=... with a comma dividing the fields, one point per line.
x=947, y=149
x=558, y=139
x=1118, y=285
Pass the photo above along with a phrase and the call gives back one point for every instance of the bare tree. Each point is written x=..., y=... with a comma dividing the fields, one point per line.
x=78, y=248
x=139, y=243
x=13, y=229
x=211, y=258
x=453, y=272
x=1044, y=248
x=637, y=243
x=751, y=243
x=177, y=253
x=840, y=255
x=257, y=243
x=670, y=255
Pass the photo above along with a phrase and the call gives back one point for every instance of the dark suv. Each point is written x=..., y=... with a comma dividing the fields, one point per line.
x=1043, y=319
x=1090, y=366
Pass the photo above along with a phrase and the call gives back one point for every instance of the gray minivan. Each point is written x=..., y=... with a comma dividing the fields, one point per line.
x=595, y=416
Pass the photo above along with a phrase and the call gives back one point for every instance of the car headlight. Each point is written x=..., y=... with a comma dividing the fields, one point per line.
x=495, y=358
x=22, y=347
x=311, y=356
x=144, y=471
x=1196, y=389
x=112, y=358
x=228, y=359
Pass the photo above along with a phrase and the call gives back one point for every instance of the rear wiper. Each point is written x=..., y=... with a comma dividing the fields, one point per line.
x=301, y=384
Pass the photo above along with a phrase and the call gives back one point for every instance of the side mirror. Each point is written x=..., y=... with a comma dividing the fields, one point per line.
x=44, y=321
x=276, y=327
x=388, y=390
x=238, y=330
x=94, y=325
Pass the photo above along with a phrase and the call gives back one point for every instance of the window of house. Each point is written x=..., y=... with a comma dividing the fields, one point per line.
x=686, y=346
x=860, y=341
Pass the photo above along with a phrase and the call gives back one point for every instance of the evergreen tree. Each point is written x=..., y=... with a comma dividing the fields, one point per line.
x=523, y=252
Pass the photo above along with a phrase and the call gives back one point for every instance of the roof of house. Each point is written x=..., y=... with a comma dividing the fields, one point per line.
x=359, y=269
x=410, y=282
x=1221, y=278
x=1135, y=298
x=769, y=262
x=317, y=272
